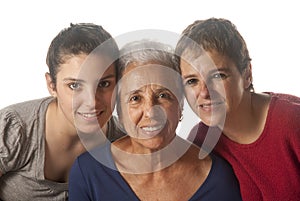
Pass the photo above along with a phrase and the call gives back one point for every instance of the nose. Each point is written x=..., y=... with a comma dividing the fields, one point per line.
x=149, y=108
x=152, y=110
x=89, y=98
x=203, y=90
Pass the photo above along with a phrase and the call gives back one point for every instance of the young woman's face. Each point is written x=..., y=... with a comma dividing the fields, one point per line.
x=85, y=91
x=214, y=87
x=150, y=111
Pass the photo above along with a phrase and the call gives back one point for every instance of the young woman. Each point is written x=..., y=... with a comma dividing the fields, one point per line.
x=260, y=131
x=39, y=139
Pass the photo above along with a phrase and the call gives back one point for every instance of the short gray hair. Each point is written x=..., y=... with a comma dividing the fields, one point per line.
x=145, y=51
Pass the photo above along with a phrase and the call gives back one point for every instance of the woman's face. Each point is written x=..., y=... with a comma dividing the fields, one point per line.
x=214, y=87
x=85, y=91
x=150, y=111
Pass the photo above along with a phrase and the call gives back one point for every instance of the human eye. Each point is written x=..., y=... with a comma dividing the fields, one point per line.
x=191, y=82
x=219, y=75
x=104, y=84
x=134, y=99
x=75, y=86
x=164, y=95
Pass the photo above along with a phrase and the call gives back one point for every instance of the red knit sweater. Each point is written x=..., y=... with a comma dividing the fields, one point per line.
x=269, y=168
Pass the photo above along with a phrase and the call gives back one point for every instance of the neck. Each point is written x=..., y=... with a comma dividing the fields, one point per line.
x=134, y=163
x=247, y=122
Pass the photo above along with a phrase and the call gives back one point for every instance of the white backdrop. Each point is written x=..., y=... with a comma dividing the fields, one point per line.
x=270, y=28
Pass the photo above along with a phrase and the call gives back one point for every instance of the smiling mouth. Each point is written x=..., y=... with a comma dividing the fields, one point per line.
x=90, y=115
x=152, y=128
x=148, y=132
x=209, y=105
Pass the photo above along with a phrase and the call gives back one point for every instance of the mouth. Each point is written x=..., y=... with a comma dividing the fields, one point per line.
x=90, y=115
x=151, y=130
x=209, y=106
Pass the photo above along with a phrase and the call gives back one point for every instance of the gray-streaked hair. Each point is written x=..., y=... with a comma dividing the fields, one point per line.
x=147, y=51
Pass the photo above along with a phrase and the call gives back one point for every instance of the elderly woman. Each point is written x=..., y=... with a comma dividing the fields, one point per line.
x=151, y=162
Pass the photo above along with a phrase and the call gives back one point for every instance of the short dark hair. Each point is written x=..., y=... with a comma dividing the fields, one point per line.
x=215, y=34
x=81, y=38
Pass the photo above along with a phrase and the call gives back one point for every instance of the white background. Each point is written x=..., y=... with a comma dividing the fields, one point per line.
x=270, y=28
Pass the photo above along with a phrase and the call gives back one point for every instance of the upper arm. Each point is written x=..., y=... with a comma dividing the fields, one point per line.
x=11, y=142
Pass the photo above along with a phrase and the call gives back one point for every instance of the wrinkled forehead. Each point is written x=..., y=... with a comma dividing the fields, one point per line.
x=136, y=77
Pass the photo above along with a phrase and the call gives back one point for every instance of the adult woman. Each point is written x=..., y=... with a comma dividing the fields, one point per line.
x=151, y=162
x=39, y=139
x=260, y=143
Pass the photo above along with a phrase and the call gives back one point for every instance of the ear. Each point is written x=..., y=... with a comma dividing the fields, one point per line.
x=50, y=85
x=247, y=77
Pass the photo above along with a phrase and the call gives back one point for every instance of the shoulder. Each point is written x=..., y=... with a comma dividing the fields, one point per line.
x=285, y=100
x=26, y=110
x=222, y=173
x=97, y=158
x=15, y=118
x=221, y=166
x=221, y=183
x=286, y=104
x=16, y=131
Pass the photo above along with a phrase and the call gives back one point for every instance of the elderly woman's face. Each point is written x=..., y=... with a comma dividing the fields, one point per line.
x=149, y=109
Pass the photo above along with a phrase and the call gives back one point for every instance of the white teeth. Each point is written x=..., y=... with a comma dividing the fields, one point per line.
x=211, y=104
x=89, y=115
x=152, y=128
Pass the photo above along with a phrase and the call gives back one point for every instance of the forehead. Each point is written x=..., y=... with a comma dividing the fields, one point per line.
x=136, y=76
x=206, y=62
x=87, y=67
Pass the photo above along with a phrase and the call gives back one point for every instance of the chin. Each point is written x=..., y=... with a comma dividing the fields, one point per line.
x=213, y=122
x=89, y=129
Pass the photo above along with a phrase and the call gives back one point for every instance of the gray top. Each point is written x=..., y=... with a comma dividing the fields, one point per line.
x=22, y=153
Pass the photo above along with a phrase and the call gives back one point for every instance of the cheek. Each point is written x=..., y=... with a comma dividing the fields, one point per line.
x=129, y=119
x=132, y=115
x=65, y=98
x=174, y=116
x=191, y=95
x=107, y=98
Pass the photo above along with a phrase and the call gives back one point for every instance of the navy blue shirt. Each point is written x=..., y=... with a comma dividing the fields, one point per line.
x=92, y=180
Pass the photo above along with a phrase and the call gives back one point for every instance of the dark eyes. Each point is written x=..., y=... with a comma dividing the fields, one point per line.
x=159, y=97
x=164, y=95
x=191, y=82
x=104, y=84
x=134, y=98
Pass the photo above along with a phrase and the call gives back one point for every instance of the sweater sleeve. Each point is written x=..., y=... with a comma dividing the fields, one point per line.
x=12, y=141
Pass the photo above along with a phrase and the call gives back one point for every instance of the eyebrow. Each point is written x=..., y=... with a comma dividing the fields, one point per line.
x=222, y=69
x=72, y=79
x=80, y=80
x=189, y=76
x=133, y=92
x=108, y=77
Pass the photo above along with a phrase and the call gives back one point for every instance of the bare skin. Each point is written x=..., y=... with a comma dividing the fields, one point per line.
x=179, y=181
x=61, y=147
